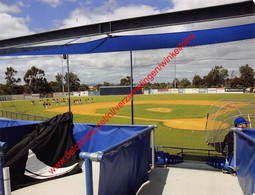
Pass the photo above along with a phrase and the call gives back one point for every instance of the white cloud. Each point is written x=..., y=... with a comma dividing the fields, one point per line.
x=14, y=9
x=109, y=11
x=21, y=4
x=12, y=26
x=52, y=3
x=186, y=4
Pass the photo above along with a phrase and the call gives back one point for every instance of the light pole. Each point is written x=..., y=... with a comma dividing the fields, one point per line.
x=66, y=56
x=63, y=88
x=175, y=72
x=131, y=87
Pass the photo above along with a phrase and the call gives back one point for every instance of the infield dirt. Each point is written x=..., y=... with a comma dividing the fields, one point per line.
x=187, y=123
x=181, y=123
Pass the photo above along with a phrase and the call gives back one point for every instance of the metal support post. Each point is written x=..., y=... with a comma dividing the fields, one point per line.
x=175, y=86
x=131, y=87
x=89, y=178
x=152, y=149
x=235, y=150
x=3, y=146
x=68, y=83
x=89, y=157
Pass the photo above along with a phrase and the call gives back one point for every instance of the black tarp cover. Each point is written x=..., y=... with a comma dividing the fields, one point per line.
x=45, y=146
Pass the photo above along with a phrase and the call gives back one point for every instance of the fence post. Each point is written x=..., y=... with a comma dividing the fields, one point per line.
x=182, y=152
x=208, y=153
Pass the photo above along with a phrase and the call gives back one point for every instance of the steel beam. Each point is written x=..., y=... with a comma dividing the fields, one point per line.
x=227, y=11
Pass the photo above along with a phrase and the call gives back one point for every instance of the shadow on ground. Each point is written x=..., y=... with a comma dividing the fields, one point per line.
x=156, y=183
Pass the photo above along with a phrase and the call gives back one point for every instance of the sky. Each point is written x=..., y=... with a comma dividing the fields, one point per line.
x=24, y=17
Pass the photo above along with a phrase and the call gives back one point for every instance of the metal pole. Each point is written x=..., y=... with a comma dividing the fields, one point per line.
x=3, y=146
x=175, y=72
x=89, y=157
x=7, y=181
x=63, y=88
x=152, y=149
x=66, y=56
x=131, y=87
x=234, y=150
x=249, y=119
x=88, y=174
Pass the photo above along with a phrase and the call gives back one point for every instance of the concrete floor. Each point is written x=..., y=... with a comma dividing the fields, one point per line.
x=183, y=181
x=166, y=181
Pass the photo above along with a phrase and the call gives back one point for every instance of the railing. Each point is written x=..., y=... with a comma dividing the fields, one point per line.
x=193, y=154
x=3, y=146
x=244, y=161
x=21, y=116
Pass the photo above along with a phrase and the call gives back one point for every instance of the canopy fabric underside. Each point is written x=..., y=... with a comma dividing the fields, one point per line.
x=146, y=42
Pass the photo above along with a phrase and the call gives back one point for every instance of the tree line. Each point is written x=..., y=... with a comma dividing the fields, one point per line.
x=36, y=82
x=217, y=77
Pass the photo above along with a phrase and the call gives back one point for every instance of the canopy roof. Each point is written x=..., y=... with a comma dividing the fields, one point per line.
x=144, y=42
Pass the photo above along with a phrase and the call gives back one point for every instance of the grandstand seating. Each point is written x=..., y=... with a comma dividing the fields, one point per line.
x=220, y=163
x=164, y=158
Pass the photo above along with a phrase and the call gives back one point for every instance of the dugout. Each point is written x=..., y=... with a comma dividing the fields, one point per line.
x=117, y=90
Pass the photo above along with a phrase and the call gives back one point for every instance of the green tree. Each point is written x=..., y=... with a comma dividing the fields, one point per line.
x=59, y=78
x=177, y=83
x=98, y=86
x=235, y=83
x=59, y=83
x=108, y=84
x=35, y=81
x=156, y=86
x=74, y=81
x=11, y=81
x=19, y=89
x=54, y=86
x=247, y=76
x=216, y=77
x=148, y=86
x=197, y=81
x=125, y=81
x=3, y=89
x=83, y=87
x=184, y=83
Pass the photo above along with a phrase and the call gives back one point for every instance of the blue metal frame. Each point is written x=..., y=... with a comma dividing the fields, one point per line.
x=88, y=157
x=98, y=156
x=3, y=146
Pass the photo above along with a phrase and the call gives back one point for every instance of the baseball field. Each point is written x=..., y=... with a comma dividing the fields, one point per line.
x=180, y=118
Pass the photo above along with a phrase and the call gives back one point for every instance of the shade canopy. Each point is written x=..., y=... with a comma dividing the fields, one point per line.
x=144, y=42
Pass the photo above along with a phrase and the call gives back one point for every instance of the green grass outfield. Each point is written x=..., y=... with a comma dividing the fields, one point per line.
x=164, y=136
